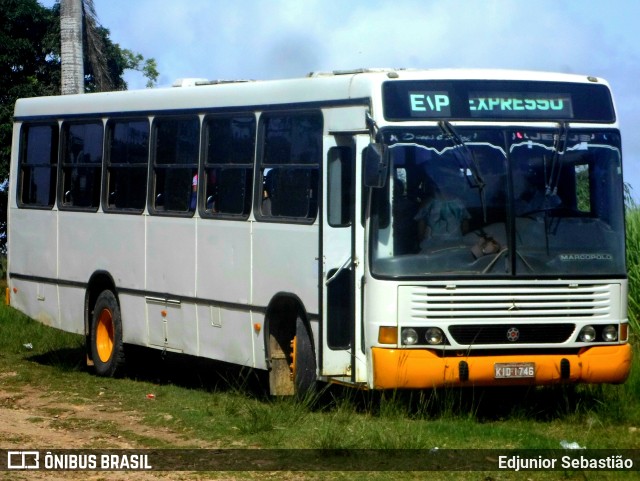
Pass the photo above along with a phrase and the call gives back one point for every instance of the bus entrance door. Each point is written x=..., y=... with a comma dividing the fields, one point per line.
x=338, y=259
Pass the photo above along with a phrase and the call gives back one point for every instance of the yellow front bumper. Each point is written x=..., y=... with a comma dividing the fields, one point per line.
x=422, y=368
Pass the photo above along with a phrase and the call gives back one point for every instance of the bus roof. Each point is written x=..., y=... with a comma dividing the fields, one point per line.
x=319, y=87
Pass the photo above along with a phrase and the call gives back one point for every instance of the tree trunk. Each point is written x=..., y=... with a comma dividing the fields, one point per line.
x=71, y=47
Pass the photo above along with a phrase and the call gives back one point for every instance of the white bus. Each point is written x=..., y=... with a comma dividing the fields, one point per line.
x=382, y=229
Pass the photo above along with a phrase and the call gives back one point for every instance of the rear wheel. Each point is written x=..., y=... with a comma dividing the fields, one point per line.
x=107, y=348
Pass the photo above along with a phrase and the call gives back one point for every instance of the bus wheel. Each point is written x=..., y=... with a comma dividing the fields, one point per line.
x=303, y=361
x=107, y=348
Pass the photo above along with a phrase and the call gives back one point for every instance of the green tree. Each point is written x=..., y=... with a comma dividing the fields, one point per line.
x=30, y=63
x=26, y=66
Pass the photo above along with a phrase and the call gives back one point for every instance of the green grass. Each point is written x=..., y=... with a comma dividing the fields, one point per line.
x=633, y=266
x=224, y=406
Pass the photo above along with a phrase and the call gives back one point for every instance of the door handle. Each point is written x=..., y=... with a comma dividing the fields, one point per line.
x=335, y=274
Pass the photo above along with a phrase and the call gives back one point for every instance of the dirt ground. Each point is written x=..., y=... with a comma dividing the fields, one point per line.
x=31, y=419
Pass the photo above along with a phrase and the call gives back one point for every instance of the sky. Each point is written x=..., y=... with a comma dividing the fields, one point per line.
x=269, y=39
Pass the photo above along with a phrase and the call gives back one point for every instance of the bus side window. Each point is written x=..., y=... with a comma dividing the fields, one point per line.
x=175, y=163
x=126, y=165
x=292, y=152
x=228, y=164
x=81, y=165
x=38, y=165
x=340, y=187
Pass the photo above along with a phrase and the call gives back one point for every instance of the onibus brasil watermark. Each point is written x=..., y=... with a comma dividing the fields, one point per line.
x=320, y=459
x=31, y=459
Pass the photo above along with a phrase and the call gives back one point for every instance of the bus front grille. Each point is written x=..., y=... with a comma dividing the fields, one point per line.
x=499, y=304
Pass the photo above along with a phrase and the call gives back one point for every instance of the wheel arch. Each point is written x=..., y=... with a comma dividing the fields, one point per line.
x=280, y=320
x=99, y=281
x=286, y=325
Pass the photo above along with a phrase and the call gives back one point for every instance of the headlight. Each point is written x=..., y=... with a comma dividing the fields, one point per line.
x=587, y=334
x=434, y=335
x=409, y=336
x=610, y=334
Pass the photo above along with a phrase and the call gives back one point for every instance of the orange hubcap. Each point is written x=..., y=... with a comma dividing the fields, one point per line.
x=104, y=335
x=292, y=366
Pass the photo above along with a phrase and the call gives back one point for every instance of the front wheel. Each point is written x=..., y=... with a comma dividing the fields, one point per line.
x=303, y=365
x=107, y=347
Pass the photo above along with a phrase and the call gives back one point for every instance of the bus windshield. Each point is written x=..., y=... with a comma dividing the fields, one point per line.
x=529, y=202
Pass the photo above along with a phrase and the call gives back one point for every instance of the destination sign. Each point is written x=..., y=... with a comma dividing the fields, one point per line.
x=513, y=104
x=494, y=100
x=430, y=104
x=493, y=104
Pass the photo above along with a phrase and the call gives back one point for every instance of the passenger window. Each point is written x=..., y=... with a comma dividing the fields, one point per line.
x=175, y=167
x=81, y=165
x=228, y=165
x=127, y=160
x=38, y=166
x=291, y=155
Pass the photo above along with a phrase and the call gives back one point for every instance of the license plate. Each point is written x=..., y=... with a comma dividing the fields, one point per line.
x=514, y=370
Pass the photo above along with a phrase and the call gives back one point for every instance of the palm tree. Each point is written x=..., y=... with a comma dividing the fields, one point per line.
x=71, y=51
x=79, y=26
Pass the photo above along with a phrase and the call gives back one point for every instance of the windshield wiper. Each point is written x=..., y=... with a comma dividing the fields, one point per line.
x=551, y=186
x=469, y=162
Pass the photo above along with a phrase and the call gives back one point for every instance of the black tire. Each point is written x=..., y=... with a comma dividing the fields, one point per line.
x=304, y=373
x=107, y=347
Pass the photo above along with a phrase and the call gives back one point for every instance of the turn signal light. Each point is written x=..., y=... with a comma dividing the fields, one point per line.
x=624, y=332
x=388, y=335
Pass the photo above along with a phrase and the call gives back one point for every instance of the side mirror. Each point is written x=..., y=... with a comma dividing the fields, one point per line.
x=376, y=165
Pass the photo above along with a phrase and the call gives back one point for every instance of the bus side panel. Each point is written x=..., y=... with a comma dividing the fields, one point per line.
x=171, y=273
x=224, y=261
x=171, y=256
x=92, y=242
x=223, y=286
x=173, y=325
x=124, y=258
x=72, y=308
x=102, y=242
x=34, y=246
x=134, y=327
x=286, y=260
x=33, y=252
x=38, y=300
x=226, y=334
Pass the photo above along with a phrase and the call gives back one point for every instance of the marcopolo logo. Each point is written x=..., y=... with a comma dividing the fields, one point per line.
x=580, y=256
